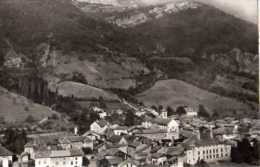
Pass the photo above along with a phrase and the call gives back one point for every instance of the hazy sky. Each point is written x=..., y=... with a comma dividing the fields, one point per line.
x=246, y=9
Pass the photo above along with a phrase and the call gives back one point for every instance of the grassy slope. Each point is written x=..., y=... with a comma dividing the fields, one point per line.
x=82, y=91
x=16, y=108
x=176, y=93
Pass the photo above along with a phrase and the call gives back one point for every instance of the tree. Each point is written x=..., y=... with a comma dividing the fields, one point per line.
x=203, y=112
x=93, y=117
x=154, y=107
x=160, y=108
x=2, y=120
x=236, y=156
x=102, y=102
x=180, y=110
x=215, y=115
x=78, y=77
x=256, y=149
x=85, y=161
x=54, y=117
x=130, y=118
x=29, y=119
x=14, y=140
x=170, y=110
x=103, y=163
x=245, y=148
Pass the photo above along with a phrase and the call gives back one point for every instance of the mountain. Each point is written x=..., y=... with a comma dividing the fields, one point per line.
x=193, y=42
x=242, y=9
x=47, y=45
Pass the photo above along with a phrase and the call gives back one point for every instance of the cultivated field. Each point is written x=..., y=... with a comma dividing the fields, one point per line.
x=176, y=93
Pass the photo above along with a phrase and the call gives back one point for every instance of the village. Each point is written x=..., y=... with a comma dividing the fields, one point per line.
x=162, y=139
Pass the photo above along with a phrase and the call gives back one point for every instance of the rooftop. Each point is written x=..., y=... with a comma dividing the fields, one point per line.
x=59, y=153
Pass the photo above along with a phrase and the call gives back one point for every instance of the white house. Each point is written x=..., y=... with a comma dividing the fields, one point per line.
x=170, y=126
x=190, y=112
x=164, y=114
x=119, y=130
x=99, y=126
x=59, y=158
x=173, y=130
x=97, y=109
x=6, y=157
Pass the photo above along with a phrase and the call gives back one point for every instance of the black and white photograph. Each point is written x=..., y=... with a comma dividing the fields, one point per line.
x=129, y=83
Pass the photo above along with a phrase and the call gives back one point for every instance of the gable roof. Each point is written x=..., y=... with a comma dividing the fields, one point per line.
x=91, y=133
x=71, y=139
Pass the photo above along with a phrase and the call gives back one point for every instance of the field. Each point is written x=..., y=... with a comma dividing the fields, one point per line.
x=15, y=108
x=176, y=93
x=82, y=91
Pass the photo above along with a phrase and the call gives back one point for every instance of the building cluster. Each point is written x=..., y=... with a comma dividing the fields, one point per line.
x=160, y=140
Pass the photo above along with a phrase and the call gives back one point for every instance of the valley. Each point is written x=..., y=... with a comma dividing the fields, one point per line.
x=86, y=51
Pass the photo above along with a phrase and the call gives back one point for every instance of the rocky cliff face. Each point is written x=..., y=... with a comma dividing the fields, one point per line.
x=237, y=61
x=135, y=17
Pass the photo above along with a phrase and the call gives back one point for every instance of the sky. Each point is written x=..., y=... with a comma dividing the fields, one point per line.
x=245, y=9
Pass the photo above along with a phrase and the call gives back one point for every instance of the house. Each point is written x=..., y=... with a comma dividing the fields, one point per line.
x=147, y=124
x=41, y=143
x=97, y=109
x=99, y=126
x=207, y=149
x=30, y=149
x=102, y=115
x=128, y=163
x=120, y=130
x=173, y=130
x=88, y=143
x=59, y=158
x=92, y=135
x=6, y=157
x=68, y=142
x=25, y=160
x=175, y=155
x=78, y=142
x=190, y=112
x=159, y=159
